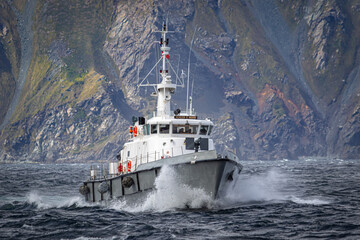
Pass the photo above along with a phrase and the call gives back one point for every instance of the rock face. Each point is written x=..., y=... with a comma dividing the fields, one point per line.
x=324, y=21
x=9, y=57
x=128, y=48
x=279, y=78
x=23, y=28
x=66, y=133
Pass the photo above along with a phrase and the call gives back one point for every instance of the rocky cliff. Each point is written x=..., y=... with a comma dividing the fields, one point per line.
x=281, y=79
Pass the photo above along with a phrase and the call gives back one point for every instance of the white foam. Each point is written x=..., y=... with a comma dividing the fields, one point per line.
x=118, y=205
x=46, y=202
x=92, y=238
x=309, y=201
x=273, y=185
x=169, y=194
x=262, y=187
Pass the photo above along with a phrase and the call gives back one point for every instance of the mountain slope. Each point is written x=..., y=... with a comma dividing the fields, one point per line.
x=280, y=78
x=10, y=50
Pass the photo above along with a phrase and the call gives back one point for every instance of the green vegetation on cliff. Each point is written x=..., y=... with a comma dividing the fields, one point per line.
x=67, y=65
x=68, y=43
x=9, y=56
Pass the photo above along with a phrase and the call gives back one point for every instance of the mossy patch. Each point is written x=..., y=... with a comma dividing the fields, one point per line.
x=91, y=83
x=293, y=11
x=20, y=4
x=202, y=17
x=278, y=109
x=7, y=88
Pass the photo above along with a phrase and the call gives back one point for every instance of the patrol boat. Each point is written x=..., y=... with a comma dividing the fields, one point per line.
x=179, y=140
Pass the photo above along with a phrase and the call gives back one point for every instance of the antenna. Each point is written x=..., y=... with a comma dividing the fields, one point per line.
x=191, y=93
x=188, y=75
x=157, y=68
x=138, y=75
x=191, y=106
x=177, y=69
x=182, y=76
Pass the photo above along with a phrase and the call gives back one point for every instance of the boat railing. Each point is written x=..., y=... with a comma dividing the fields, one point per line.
x=108, y=170
x=103, y=170
x=151, y=156
x=100, y=171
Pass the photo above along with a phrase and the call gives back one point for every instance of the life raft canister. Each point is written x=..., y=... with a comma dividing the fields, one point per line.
x=129, y=166
x=120, y=168
x=135, y=131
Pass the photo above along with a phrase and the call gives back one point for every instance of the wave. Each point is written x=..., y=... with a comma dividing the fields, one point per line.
x=94, y=238
x=271, y=186
x=47, y=202
x=309, y=201
x=169, y=194
x=267, y=186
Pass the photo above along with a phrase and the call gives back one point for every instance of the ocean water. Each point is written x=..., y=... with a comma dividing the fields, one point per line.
x=305, y=199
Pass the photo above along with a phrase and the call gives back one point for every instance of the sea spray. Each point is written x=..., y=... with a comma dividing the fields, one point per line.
x=309, y=201
x=46, y=202
x=261, y=187
x=169, y=194
x=273, y=185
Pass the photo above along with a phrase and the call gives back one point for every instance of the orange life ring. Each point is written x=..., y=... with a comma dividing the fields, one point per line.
x=135, y=131
x=129, y=166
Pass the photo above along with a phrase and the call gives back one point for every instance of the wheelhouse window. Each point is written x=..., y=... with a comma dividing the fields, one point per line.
x=210, y=129
x=164, y=128
x=185, y=129
x=204, y=129
x=153, y=128
x=178, y=128
x=147, y=129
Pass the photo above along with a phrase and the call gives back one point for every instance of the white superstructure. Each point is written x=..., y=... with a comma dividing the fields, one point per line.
x=166, y=134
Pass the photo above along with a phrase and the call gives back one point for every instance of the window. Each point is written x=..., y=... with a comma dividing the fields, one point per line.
x=147, y=129
x=185, y=129
x=204, y=129
x=178, y=128
x=193, y=129
x=164, y=128
x=210, y=129
x=153, y=128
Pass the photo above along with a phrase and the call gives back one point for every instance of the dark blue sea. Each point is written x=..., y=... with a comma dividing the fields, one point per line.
x=305, y=199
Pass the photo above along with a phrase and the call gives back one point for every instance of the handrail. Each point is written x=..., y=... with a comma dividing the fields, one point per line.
x=102, y=170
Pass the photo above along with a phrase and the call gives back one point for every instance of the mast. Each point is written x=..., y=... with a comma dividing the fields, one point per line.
x=166, y=87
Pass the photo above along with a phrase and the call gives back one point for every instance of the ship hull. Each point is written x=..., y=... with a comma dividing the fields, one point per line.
x=212, y=175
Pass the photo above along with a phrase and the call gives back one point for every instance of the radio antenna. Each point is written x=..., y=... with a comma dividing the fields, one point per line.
x=188, y=75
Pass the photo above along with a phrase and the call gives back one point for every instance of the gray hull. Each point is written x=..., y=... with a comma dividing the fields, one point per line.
x=199, y=170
